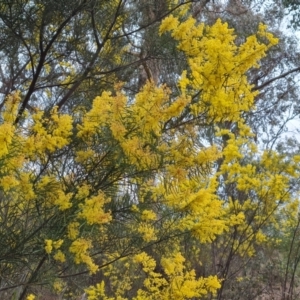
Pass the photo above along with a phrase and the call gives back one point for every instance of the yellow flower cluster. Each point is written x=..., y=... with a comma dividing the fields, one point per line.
x=7, y=128
x=48, y=133
x=151, y=108
x=218, y=65
x=98, y=292
x=147, y=231
x=92, y=210
x=79, y=248
x=50, y=245
x=59, y=256
x=180, y=283
x=73, y=230
x=148, y=215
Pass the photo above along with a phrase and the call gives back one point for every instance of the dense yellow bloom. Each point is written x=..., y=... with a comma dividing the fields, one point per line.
x=218, y=65
x=8, y=182
x=62, y=200
x=92, y=210
x=79, y=248
x=147, y=261
x=180, y=283
x=50, y=133
x=147, y=232
x=174, y=264
x=169, y=23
